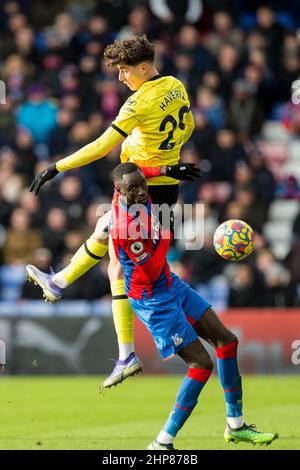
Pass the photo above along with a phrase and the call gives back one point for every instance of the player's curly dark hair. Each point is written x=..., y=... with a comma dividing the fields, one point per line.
x=129, y=51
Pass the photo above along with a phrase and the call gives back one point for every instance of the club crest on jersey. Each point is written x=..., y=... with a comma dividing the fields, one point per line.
x=130, y=102
x=176, y=340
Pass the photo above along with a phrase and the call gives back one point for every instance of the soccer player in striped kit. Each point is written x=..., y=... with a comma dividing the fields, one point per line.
x=173, y=312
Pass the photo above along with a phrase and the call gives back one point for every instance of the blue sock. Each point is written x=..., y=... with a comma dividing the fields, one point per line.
x=186, y=399
x=230, y=378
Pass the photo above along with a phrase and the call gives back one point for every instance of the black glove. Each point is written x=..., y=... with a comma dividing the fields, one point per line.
x=42, y=177
x=183, y=171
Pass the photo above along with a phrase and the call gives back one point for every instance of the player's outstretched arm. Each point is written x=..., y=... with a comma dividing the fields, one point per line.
x=181, y=171
x=91, y=152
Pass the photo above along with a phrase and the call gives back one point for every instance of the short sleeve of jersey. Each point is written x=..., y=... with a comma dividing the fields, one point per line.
x=130, y=116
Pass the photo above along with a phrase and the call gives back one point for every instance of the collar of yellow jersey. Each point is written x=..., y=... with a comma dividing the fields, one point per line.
x=155, y=77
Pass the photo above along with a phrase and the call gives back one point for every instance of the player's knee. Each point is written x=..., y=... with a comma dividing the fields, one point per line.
x=202, y=362
x=231, y=338
x=228, y=339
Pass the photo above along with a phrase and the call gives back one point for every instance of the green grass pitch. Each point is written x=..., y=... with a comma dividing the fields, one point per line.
x=69, y=413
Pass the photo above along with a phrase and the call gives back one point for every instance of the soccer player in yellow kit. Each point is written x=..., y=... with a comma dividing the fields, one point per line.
x=153, y=125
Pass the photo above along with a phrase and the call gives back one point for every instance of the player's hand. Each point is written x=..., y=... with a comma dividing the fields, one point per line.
x=183, y=171
x=42, y=177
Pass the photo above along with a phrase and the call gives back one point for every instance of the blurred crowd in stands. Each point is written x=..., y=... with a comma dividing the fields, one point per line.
x=238, y=60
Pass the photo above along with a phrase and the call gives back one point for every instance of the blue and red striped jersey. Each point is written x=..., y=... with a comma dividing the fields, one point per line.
x=141, y=246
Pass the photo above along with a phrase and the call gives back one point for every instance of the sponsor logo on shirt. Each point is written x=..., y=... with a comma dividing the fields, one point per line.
x=137, y=248
x=129, y=105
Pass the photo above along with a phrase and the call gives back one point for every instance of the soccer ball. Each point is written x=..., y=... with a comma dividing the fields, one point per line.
x=234, y=240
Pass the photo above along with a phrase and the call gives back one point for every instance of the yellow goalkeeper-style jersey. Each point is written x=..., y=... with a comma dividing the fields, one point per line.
x=155, y=121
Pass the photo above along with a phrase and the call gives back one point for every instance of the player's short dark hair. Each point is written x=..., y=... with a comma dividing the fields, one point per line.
x=129, y=51
x=123, y=169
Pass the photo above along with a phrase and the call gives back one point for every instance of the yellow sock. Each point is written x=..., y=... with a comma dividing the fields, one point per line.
x=123, y=316
x=89, y=254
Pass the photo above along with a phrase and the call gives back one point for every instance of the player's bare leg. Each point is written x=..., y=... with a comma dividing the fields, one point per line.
x=128, y=363
x=210, y=328
x=200, y=367
x=89, y=254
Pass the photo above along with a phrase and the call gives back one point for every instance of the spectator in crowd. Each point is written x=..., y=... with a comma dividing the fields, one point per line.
x=287, y=74
x=16, y=22
x=263, y=179
x=11, y=182
x=72, y=197
x=203, y=136
x=245, y=115
x=5, y=211
x=25, y=150
x=207, y=264
x=225, y=154
x=88, y=67
x=21, y=240
x=71, y=102
x=50, y=77
x=37, y=114
x=32, y=206
x=109, y=100
x=53, y=232
x=25, y=47
x=280, y=291
x=98, y=29
x=288, y=188
x=243, y=177
x=223, y=31
x=264, y=87
x=255, y=40
x=296, y=225
x=292, y=260
x=59, y=136
x=233, y=210
x=188, y=39
x=79, y=134
x=247, y=287
x=227, y=69
x=17, y=75
x=176, y=12
x=185, y=70
x=96, y=124
x=211, y=106
x=73, y=239
x=253, y=211
x=7, y=123
x=138, y=24
x=271, y=30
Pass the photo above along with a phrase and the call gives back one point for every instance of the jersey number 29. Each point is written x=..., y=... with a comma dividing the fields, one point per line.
x=167, y=144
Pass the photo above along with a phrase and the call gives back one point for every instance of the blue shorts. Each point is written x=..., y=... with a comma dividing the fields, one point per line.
x=170, y=315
